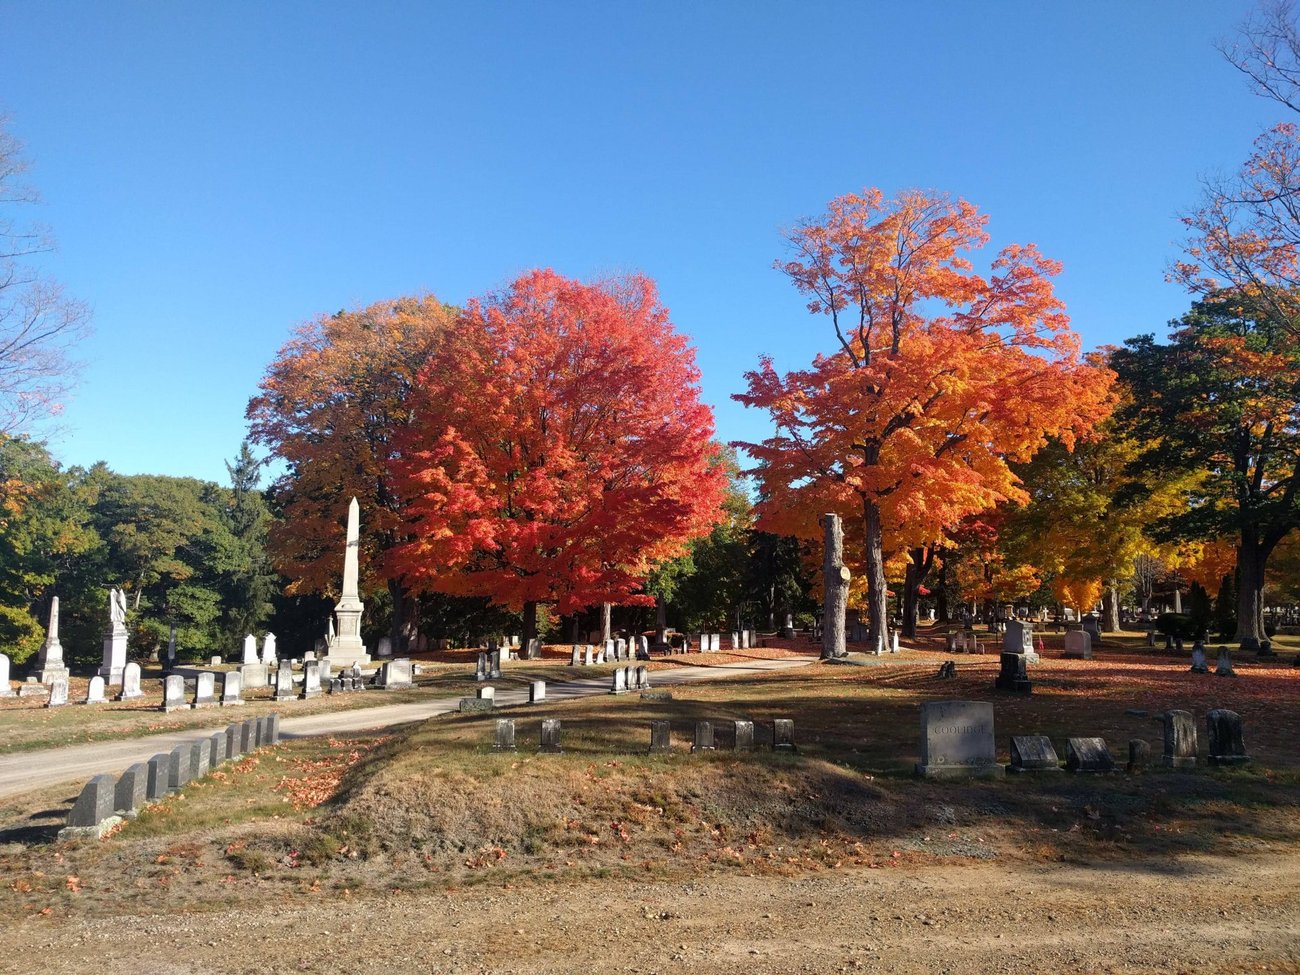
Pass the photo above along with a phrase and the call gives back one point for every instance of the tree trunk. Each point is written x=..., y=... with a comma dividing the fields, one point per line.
x=606, y=618
x=661, y=619
x=1110, y=609
x=1252, y=557
x=941, y=595
x=918, y=568
x=835, y=583
x=877, y=593
x=530, y=627
x=398, y=631
x=771, y=608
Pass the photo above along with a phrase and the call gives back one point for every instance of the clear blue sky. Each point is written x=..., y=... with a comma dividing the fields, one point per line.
x=217, y=173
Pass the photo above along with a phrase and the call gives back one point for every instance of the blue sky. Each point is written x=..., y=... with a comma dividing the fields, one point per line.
x=218, y=173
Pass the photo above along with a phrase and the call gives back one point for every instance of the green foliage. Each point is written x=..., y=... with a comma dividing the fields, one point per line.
x=1180, y=626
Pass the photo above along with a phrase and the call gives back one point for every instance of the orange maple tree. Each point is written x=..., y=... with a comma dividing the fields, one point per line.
x=941, y=376
x=558, y=450
x=328, y=408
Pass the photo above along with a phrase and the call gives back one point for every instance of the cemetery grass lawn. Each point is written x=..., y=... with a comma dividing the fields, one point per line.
x=432, y=808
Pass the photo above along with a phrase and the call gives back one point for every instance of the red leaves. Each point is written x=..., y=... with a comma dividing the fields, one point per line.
x=558, y=448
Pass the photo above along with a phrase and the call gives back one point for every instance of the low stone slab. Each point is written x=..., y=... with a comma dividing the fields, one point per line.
x=58, y=693
x=205, y=695
x=1033, y=753
x=486, y=694
x=216, y=749
x=273, y=728
x=233, y=749
x=656, y=695
x=395, y=674
x=470, y=704
x=199, y=755
x=1088, y=755
x=247, y=738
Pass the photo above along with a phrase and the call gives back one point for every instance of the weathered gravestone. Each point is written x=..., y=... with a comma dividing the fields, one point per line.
x=743, y=740
x=205, y=690
x=783, y=735
x=132, y=790
x=130, y=682
x=1033, y=753
x=174, y=694
x=217, y=749
x=1199, y=664
x=587, y=659
x=199, y=752
x=385, y=647
x=618, y=681
x=1179, y=739
x=1226, y=744
x=536, y=691
x=1078, y=645
x=1139, y=755
x=703, y=737
x=273, y=727
x=178, y=768
x=1224, y=668
x=95, y=691
x=575, y=656
x=1012, y=676
x=505, y=739
x=158, y=787
x=5, y=689
x=311, y=679
x=468, y=704
x=92, y=813
x=250, y=650
x=247, y=738
x=269, y=656
x=494, y=665
x=550, y=736
x=1019, y=638
x=487, y=693
x=660, y=736
x=395, y=674
x=58, y=693
x=957, y=740
x=234, y=747
x=230, y=688
x=643, y=678
x=1088, y=755
x=284, y=681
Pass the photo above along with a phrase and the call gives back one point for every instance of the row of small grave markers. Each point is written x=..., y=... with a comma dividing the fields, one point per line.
x=957, y=741
x=660, y=736
x=104, y=801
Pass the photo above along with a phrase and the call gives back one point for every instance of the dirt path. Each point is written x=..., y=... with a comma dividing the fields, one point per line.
x=1203, y=915
x=30, y=771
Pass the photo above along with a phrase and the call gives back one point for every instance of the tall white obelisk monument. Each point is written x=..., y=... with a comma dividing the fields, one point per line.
x=345, y=647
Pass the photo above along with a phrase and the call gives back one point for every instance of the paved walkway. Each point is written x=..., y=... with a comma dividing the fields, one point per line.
x=29, y=771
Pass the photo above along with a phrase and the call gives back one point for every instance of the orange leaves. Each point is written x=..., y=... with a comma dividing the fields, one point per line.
x=942, y=375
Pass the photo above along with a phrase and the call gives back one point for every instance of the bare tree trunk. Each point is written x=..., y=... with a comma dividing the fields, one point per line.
x=1252, y=557
x=661, y=619
x=606, y=616
x=877, y=593
x=835, y=583
x=1110, y=609
x=399, y=632
x=941, y=595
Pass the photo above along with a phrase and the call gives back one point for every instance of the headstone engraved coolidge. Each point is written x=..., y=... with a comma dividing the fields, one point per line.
x=957, y=740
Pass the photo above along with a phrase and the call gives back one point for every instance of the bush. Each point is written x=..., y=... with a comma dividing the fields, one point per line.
x=1180, y=626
